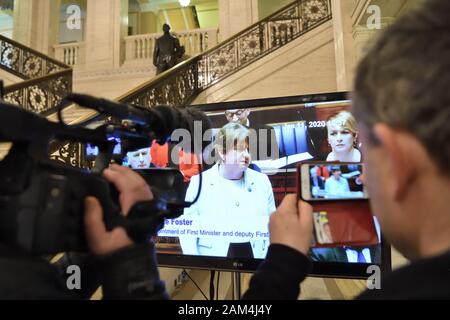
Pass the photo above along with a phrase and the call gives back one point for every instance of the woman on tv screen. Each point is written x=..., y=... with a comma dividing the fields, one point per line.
x=231, y=192
x=342, y=137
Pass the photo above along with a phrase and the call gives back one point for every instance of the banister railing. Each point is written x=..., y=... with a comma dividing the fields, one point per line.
x=40, y=95
x=171, y=88
x=47, y=80
x=195, y=41
x=70, y=53
x=198, y=40
x=179, y=85
x=25, y=62
x=261, y=38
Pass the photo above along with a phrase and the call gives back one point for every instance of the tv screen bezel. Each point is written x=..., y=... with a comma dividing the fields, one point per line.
x=320, y=269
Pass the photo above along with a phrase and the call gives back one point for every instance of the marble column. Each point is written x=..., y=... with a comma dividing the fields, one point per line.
x=344, y=45
x=106, y=27
x=236, y=15
x=36, y=24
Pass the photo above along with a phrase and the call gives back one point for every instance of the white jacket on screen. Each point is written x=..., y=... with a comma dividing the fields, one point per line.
x=218, y=199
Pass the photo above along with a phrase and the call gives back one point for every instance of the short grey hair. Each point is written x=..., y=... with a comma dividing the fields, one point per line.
x=229, y=136
x=404, y=80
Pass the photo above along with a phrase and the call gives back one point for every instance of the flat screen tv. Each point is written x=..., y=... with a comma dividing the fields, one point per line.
x=228, y=230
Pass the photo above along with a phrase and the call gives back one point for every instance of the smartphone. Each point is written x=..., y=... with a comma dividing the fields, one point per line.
x=331, y=181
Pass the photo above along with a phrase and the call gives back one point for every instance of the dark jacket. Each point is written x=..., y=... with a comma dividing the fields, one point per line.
x=129, y=273
x=167, y=50
x=279, y=277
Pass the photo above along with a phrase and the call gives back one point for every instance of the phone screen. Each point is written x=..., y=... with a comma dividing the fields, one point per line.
x=331, y=181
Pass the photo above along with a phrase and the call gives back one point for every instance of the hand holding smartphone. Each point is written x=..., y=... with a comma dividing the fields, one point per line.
x=342, y=213
x=325, y=181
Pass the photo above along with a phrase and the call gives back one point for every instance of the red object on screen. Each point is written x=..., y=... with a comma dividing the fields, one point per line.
x=160, y=154
x=188, y=163
x=351, y=223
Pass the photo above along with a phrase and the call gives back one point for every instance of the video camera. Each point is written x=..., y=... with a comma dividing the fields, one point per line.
x=42, y=200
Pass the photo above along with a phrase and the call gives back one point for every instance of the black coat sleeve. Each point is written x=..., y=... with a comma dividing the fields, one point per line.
x=280, y=275
x=132, y=273
x=156, y=54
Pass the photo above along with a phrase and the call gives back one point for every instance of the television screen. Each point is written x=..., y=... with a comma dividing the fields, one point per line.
x=244, y=182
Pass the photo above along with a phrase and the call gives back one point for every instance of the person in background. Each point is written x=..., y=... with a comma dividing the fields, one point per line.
x=336, y=185
x=265, y=135
x=317, y=182
x=124, y=269
x=139, y=159
x=401, y=102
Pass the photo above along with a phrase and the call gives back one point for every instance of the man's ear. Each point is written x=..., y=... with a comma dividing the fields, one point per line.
x=398, y=158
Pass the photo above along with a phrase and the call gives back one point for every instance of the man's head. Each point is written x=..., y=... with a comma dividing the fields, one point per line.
x=402, y=103
x=336, y=172
x=140, y=159
x=238, y=116
x=166, y=28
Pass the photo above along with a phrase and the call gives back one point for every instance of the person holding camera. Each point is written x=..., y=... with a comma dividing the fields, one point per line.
x=401, y=101
x=124, y=269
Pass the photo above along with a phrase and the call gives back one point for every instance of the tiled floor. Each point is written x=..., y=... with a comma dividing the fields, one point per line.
x=311, y=288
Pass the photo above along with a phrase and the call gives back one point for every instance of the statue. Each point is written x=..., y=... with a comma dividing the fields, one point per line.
x=167, y=51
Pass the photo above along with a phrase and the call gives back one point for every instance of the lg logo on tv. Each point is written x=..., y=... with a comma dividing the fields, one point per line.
x=374, y=280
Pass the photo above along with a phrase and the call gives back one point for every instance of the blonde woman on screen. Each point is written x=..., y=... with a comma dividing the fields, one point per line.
x=342, y=137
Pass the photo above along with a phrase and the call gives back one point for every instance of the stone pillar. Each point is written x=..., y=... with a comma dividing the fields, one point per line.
x=106, y=27
x=344, y=45
x=236, y=15
x=23, y=21
x=36, y=24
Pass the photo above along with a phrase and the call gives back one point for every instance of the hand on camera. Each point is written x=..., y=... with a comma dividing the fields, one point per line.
x=292, y=224
x=132, y=188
